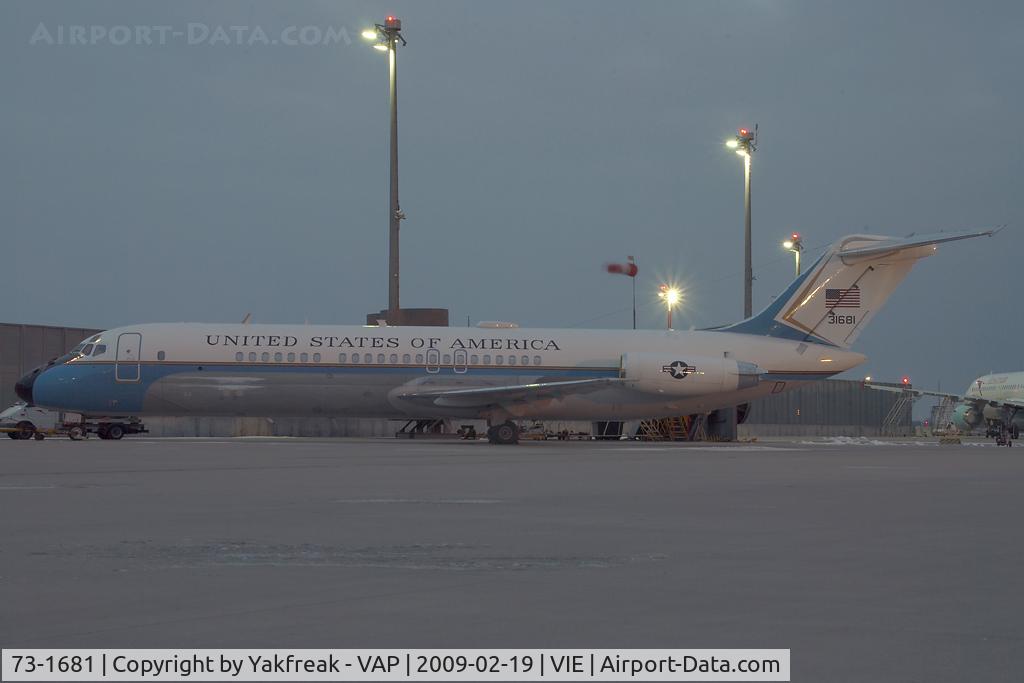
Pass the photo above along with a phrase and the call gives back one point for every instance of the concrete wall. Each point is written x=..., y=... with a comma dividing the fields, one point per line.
x=832, y=407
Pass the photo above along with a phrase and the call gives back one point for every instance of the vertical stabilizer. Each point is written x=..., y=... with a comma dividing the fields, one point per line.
x=835, y=299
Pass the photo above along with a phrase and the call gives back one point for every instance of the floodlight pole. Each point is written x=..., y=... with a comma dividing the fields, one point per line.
x=795, y=244
x=744, y=144
x=391, y=31
x=670, y=295
x=748, y=268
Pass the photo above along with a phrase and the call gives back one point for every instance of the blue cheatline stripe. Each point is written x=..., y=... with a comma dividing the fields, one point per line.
x=765, y=324
x=173, y=367
x=91, y=387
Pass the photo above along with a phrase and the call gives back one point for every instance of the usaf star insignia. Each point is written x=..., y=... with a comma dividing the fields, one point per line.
x=678, y=369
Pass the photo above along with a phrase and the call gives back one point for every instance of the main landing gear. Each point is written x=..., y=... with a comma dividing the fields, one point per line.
x=1006, y=435
x=506, y=433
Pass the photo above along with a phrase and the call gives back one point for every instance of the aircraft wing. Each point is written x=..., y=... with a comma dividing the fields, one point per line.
x=515, y=393
x=913, y=392
x=1015, y=403
x=979, y=401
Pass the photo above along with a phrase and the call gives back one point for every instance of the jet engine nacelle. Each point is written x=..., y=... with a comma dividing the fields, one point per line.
x=686, y=375
x=967, y=417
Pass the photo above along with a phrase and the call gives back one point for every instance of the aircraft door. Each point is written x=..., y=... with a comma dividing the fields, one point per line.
x=433, y=360
x=460, y=361
x=126, y=366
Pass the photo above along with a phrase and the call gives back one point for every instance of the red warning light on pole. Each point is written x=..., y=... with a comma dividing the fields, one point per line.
x=392, y=22
x=744, y=132
x=795, y=236
x=905, y=380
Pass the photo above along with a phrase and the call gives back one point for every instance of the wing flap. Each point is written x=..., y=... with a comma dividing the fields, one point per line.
x=514, y=393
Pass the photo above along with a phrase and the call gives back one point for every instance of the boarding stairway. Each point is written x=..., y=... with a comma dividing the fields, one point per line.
x=897, y=422
x=436, y=428
x=682, y=428
x=943, y=415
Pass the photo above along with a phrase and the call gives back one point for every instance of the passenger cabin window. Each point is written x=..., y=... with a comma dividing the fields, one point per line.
x=487, y=359
x=291, y=357
x=252, y=356
x=343, y=357
x=499, y=359
x=160, y=355
x=406, y=358
x=278, y=357
x=355, y=357
x=536, y=360
x=511, y=360
x=304, y=357
x=316, y=357
x=474, y=359
x=380, y=358
x=447, y=360
x=239, y=356
x=526, y=360
x=265, y=356
x=393, y=358
x=419, y=359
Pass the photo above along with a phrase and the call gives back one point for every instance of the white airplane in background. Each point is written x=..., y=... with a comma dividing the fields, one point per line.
x=497, y=374
x=995, y=400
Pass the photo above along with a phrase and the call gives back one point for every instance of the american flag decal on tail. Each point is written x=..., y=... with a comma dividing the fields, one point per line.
x=843, y=298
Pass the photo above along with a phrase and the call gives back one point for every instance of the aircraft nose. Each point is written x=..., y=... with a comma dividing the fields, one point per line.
x=23, y=387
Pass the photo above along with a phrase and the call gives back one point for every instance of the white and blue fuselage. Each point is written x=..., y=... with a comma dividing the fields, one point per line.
x=288, y=370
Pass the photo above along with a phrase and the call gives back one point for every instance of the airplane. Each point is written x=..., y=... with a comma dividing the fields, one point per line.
x=995, y=400
x=501, y=373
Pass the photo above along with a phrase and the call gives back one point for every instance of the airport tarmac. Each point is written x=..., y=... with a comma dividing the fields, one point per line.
x=869, y=560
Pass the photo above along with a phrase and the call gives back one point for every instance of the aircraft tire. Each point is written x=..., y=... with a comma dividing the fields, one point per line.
x=1015, y=432
x=76, y=433
x=507, y=433
x=13, y=435
x=115, y=432
x=39, y=436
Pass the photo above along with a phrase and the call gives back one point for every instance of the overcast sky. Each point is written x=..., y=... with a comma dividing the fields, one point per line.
x=197, y=180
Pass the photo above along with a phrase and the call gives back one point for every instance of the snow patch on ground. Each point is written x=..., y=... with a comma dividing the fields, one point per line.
x=862, y=441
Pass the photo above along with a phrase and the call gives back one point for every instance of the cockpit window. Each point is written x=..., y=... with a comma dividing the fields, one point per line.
x=100, y=350
x=75, y=351
x=87, y=351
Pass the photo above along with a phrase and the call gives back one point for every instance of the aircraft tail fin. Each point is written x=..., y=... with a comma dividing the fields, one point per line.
x=832, y=302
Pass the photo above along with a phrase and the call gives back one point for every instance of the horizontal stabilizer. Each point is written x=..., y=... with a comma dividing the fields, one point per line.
x=891, y=246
